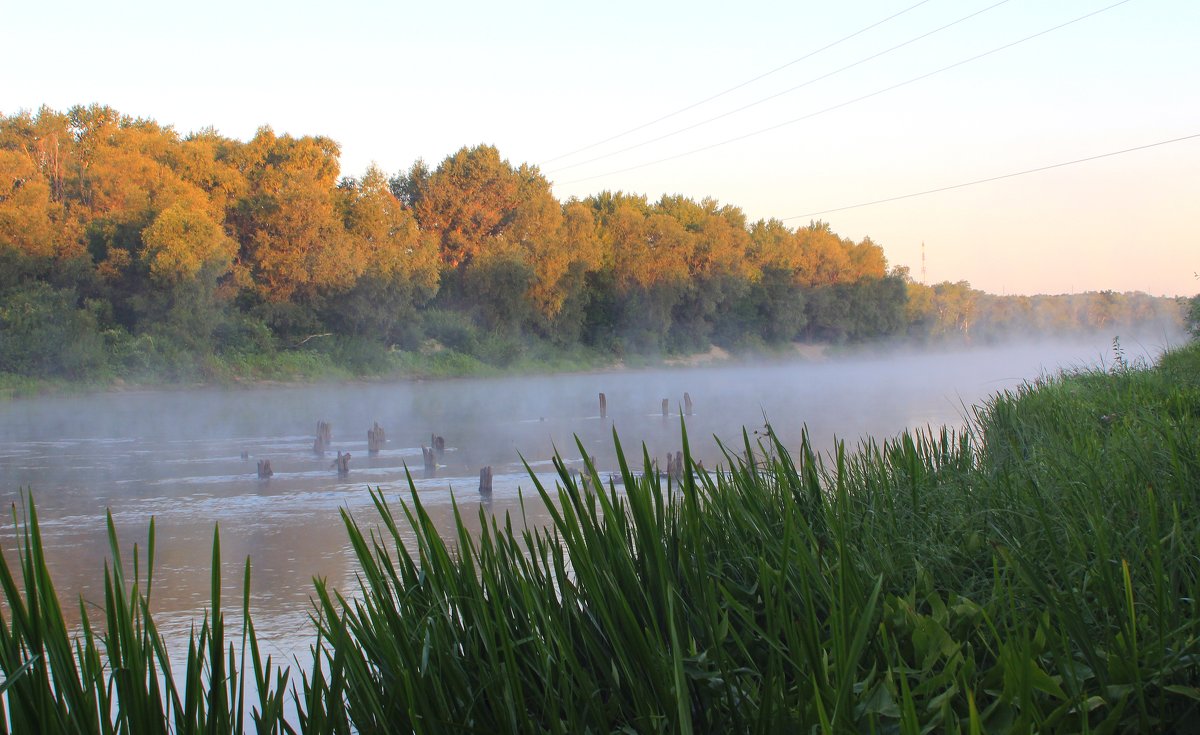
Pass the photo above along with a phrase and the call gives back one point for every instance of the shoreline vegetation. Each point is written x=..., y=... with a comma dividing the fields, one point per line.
x=1038, y=572
x=131, y=253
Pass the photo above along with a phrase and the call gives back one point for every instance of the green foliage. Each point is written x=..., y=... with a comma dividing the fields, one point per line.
x=501, y=349
x=452, y=329
x=115, y=674
x=244, y=334
x=376, y=308
x=1192, y=320
x=285, y=365
x=43, y=332
x=359, y=355
x=496, y=288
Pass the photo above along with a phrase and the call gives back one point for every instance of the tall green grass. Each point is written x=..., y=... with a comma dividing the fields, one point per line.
x=1037, y=572
x=115, y=675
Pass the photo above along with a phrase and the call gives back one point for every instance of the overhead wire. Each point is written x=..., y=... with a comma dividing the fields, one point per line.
x=735, y=87
x=789, y=90
x=840, y=105
x=994, y=178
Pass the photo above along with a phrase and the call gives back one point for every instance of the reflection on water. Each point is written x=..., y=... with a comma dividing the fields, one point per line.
x=188, y=459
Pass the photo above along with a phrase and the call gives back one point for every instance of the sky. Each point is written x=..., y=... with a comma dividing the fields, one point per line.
x=844, y=103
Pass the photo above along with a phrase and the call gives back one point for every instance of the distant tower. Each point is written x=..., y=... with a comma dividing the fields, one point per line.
x=922, y=262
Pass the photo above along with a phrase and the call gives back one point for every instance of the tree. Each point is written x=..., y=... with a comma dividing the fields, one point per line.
x=35, y=153
x=559, y=293
x=291, y=234
x=383, y=238
x=954, y=306
x=396, y=265
x=498, y=280
x=774, y=245
x=474, y=198
x=866, y=260
x=183, y=239
x=823, y=258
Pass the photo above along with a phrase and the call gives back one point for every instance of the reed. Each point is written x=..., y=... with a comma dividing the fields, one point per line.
x=118, y=677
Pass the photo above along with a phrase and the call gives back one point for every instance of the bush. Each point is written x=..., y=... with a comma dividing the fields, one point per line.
x=359, y=355
x=245, y=334
x=43, y=332
x=1192, y=318
x=454, y=329
x=500, y=349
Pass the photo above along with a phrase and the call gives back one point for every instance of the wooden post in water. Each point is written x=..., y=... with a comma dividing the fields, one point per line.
x=324, y=438
x=342, y=463
x=603, y=407
x=438, y=443
x=264, y=469
x=376, y=438
x=666, y=405
x=430, y=461
x=485, y=480
x=687, y=404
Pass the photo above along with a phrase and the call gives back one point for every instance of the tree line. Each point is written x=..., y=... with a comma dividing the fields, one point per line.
x=126, y=246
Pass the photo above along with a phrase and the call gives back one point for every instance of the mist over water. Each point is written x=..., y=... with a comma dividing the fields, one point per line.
x=177, y=456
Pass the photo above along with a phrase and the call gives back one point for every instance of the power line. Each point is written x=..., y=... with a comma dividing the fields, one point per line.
x=779, y=94
x=736, y=87
x=849, y=102
x=996, y=178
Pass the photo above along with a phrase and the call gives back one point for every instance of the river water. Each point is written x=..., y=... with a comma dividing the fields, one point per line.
x=188, y=458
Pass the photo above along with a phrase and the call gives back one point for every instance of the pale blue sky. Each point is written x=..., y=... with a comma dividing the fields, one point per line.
x=392, y=82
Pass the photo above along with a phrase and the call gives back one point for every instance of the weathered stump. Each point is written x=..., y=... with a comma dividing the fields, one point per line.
x=585, y=476
x=687, y=404
x=666, y=407
x=485, y=480
x=342, y=463
x=438, y=443
x=324, y=438
x=675, y=466
x=264, y=469
x=376, y=438
x=430, y=461
x=603, y=406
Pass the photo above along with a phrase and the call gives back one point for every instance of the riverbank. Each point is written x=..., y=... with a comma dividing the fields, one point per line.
x=434, y=361
x=1038, y=572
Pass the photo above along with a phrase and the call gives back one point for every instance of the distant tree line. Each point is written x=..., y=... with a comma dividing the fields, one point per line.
x=125, y=246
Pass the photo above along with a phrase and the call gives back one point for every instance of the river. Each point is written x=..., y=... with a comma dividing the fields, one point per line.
x=188, y=458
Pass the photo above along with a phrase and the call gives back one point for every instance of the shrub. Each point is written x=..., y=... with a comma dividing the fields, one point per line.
x=43, y=332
